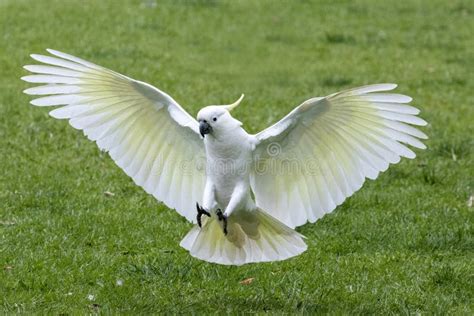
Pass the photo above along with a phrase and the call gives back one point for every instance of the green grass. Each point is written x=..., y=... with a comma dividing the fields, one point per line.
x=404, y=244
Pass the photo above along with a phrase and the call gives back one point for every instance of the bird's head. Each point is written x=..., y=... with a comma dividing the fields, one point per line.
x=215, y=119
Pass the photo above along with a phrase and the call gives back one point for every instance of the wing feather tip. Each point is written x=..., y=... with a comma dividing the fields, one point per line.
x=56, y=53
x=31, y=68
x=44, y=101
x=56, y=114
x=390, y=85
x=35, y=102
x=422, y=122
x=28, y=91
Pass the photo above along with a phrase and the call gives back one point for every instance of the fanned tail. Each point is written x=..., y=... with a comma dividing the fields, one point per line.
x=253, y=236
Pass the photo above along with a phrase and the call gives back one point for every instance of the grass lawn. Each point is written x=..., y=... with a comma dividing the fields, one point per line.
x=403, y=244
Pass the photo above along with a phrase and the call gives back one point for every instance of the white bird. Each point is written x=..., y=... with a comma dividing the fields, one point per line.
x=250, y=191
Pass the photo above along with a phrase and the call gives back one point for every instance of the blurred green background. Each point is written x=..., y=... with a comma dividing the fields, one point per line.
x=403, y=244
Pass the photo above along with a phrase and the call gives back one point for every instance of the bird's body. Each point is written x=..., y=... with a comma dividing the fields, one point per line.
x=228, y=164
x=227, y=197
x=254, y=189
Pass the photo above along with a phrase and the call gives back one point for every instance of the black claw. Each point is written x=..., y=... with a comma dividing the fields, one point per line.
x=222, y=217
x=200, y=212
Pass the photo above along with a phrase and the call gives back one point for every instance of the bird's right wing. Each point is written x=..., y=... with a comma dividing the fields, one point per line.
x=144, y=130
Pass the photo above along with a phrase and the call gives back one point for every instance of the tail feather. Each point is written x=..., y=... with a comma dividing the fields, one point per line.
x=252, y=237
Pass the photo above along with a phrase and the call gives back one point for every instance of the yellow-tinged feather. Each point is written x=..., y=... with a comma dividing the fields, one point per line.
x=350, y=135
x=128, y=118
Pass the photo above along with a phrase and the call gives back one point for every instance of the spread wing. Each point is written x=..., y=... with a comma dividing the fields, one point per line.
x=144, y=130
x=318, y=155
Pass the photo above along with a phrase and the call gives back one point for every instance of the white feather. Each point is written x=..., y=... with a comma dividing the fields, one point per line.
x=116, y=112
x=51, y=70
x=51, y=79
x=355, y=134
x=58, y=62
x=52, y=89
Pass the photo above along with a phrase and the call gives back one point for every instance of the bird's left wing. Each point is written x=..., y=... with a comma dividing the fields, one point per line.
x=318, y=155
x=144, y=130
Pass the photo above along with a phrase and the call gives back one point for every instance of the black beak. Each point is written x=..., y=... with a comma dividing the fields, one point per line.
x=204, y=128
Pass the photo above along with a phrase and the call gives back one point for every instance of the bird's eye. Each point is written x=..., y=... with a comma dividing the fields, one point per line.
x=214, y=119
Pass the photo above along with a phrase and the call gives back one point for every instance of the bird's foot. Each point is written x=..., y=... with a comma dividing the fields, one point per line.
x=222, y=217
x=201, y=211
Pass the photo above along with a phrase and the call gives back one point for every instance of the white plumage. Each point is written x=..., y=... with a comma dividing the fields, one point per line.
x=256, y=188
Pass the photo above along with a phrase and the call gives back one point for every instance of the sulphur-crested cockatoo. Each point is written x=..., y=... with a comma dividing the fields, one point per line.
x=246, y=192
